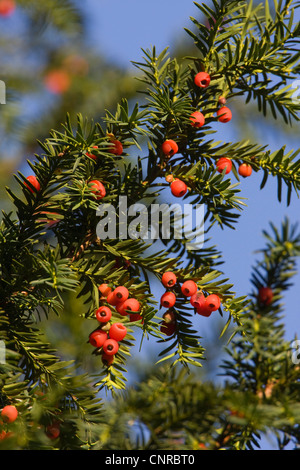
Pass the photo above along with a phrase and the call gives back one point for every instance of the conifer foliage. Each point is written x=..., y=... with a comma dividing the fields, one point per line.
x=50, y=245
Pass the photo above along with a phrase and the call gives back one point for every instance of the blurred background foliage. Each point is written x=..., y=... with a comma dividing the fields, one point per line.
x=50, y=68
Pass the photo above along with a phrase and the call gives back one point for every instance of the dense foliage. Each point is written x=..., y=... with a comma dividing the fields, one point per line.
x=50, y=248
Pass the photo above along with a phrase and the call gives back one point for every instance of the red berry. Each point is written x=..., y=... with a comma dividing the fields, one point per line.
x=168, y=299
x=204, y=310
x=223, y=163
x=169, y=178
x=121, y=293
x=222, y=100
x=97, y=338
x=168, y=279
x=169, y=316
x=7, y=7
x=198, y=300
x=168, y=328
x=178, y=188
x=245, y=170
x=34, y=182
x=202, y=79
x=94, y=157
x=189, y=288
x=103, y=314
x=135, y=317
x=111, y=298
x=107, y=359
x=97, y=188
x=53, y=431
x=104, y=289
x=224, y=114
x=110, y=347
x=116, y=147
x=117, y=331
x=213, y=302
x=169, y=147
x=57, y=81
x=129, y=304
x=197, y=119
x=265, y=295
x=9, y=413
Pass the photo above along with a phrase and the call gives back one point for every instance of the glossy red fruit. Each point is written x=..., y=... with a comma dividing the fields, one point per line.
x=135, y=317
x=245, y=170
x=9, y=414
x=168, y=299
x=34, y=182
x=265, y=295
x=169, y=147
x=178, y=188
x=121, y=293
x=197, y=119
x=222, y=100
x=117, y=331
x=107, y=359
x=189, y=288
x=7, y=7
x=97, y=338
x=168, y=328
x=53, y=431
x=198, y=300
x=91, y=155
x=97, y=188
x=103, y=314
x=202, y=79
x=213, y=302
x=204, y=310
x=110, y=347
x=224, y=114
x=224, y=164
x=131, y=304
x=111, y=298
x=168, y=279
x=104, y=289
x=116, y=147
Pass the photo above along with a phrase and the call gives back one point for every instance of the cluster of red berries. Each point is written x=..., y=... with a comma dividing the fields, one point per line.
x=115, y=147
x=108, y=335
x=197, y=119
x=224, y=114
x=9, y=414
x=96, y=187
x=225, y=163
x=119, y=298
x=108, y=340
x=203, y=305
